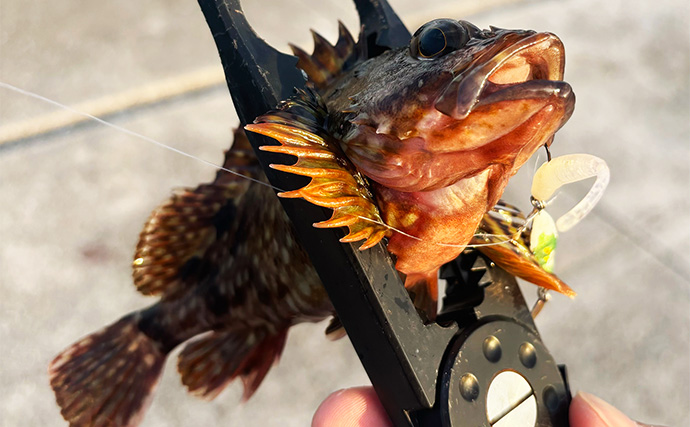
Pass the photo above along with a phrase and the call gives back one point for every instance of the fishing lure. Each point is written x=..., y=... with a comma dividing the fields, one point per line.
x=413, y=144
x=567, y=169
x=526, y=246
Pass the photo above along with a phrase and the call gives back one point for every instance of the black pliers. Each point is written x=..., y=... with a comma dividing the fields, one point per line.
x=444, y=373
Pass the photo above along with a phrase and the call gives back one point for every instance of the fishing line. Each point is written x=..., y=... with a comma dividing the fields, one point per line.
x=450, y=245
x=206, y=162
x=131, y=133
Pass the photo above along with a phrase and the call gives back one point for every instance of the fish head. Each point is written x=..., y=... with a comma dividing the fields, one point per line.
x=456, y=102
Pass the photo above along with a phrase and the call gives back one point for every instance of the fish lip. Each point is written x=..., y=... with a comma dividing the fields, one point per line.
x=472, y=85
x=533, y=89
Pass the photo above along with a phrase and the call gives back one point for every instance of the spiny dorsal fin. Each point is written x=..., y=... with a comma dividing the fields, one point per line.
x=345, y=44
x=502, y=222
x=335, y=183
x=328, y=61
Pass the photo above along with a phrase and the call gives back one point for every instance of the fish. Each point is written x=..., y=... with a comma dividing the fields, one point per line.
x=412, y=145
x=433, y=131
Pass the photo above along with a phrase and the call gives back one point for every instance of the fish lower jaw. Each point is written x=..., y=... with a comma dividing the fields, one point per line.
x=540, y=91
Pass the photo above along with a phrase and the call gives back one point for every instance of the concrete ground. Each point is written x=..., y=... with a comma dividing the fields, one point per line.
x=72, y=202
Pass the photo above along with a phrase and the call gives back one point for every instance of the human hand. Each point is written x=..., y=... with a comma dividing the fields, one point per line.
x=351, y=407
x=360, y=407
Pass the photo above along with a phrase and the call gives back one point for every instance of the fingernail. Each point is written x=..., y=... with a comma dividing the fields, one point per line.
x=608, y=415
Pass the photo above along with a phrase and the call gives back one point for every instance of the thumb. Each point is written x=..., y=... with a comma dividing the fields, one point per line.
x=587, y=410
x=353, y=407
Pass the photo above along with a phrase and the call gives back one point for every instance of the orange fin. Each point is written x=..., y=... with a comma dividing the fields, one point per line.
x=173, y=243
x=209, y=363
x=107, y=378
x=335, y=182
x=501, y=223
x=525, y=267
x=423, y=290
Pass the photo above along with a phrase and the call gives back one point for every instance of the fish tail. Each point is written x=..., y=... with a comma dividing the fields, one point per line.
x=107, y=378
x=209, y=363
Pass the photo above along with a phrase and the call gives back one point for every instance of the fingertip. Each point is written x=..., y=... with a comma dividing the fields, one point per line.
x=353, y=407
x=587, y=410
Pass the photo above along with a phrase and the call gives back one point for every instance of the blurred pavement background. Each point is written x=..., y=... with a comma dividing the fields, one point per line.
x=72, y=202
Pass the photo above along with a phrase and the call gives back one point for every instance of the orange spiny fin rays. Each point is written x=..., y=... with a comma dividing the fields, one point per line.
x=499, y=237
x=335, y=182
x=333, y=185
x=327, y=61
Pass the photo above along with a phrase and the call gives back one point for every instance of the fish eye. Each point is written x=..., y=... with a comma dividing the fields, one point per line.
x=437, y=38
x=432, y=42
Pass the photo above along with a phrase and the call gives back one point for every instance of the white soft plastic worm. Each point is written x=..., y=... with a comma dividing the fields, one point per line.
x=567, y=169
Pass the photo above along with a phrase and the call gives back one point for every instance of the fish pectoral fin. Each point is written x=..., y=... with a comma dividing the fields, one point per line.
x=525, y=267
x=500, y=238
x=210, y=362
x=335, y=182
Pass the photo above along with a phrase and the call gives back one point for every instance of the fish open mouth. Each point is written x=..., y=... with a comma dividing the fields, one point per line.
x=504, y=99
x=530, y=67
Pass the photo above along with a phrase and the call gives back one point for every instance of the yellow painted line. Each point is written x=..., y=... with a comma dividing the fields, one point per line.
x=136, y=97
x=198, y=80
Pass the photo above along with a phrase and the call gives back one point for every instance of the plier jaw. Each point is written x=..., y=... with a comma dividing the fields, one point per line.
x=424, y=374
